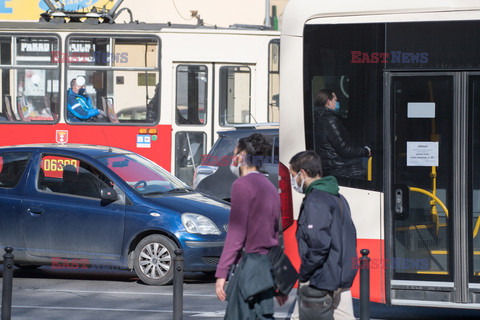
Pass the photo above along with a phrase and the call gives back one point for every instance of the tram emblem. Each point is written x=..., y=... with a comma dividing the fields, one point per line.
x=61, y=136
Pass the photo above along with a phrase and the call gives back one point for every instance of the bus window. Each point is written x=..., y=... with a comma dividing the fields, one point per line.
x=192, y=84
x=235, y=104
x=274, y=81
x=30, y=79
x=360, y=106
x=122, y=76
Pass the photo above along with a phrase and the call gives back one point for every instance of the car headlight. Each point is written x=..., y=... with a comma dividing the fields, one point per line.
x=196, y=223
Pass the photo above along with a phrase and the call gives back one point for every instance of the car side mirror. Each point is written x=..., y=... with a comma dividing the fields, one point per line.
x=108, y=194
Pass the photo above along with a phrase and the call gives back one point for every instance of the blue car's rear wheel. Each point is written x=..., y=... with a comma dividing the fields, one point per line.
x=153, y=260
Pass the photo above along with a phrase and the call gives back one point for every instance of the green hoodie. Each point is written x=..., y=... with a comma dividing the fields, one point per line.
x=328, y=184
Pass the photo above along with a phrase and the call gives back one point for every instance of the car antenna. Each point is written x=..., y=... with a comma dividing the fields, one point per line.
x=106, y=139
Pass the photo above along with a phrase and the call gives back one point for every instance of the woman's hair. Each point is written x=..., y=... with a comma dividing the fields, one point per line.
x=258, y=149
x=323, y=96
x=308, y=161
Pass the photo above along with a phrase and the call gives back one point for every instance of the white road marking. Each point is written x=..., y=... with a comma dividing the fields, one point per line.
x=102, y=309
x=118, y=292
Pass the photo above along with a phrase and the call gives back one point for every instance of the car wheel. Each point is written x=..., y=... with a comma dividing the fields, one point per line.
x=153, y=260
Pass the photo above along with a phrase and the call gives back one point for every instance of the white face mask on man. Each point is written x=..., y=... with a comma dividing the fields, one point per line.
x=295, y=185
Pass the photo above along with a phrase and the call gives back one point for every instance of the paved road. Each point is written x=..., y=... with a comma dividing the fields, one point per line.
x=53, y=294
x=98, y=294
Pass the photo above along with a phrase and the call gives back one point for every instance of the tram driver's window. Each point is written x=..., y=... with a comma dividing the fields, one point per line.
x=235, y=99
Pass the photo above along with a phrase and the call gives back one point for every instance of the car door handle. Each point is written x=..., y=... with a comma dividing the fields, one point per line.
x=35, y=211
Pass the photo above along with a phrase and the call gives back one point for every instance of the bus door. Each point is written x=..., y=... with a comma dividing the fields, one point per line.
x=191, y=120
x=432, y=205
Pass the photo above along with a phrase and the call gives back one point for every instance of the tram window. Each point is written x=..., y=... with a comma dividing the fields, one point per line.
x=37, y=95
x=36, y=51
x=191, y=96
x=331, y=67
x=274, y=81
x=235, y=103
x=5, y=51
x=189, y=147
x=30, y=79
x=135, y=53
x=88, y=51
x=129, y=91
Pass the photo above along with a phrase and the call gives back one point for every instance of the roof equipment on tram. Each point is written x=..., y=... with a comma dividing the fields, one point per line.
x=94, y=16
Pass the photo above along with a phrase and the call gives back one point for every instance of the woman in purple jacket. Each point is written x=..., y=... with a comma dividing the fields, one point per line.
x=255, y=210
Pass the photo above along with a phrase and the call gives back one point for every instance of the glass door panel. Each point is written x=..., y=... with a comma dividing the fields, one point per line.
x=422, y=131
x=474, y=173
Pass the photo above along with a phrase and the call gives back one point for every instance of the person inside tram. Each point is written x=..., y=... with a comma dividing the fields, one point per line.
x=80, y=106
x=153, y=104
x=340, y=158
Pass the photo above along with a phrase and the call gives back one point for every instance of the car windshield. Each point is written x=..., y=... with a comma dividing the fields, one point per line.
x=143, y=175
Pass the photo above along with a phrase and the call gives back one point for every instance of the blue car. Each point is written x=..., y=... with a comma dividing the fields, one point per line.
x=77, y=206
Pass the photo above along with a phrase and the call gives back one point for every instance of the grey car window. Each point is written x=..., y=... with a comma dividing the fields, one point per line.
x=71, y=176
x=12, y=167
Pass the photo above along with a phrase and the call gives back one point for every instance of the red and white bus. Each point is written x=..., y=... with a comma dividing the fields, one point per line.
x=167, y=89
x=407, y=76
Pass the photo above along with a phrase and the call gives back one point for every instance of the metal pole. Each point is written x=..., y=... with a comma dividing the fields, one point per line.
x=364, y=285
x=178, y=264
x=267, y=14
x=7, y=284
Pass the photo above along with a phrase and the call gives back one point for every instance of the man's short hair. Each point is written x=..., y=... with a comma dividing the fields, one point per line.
x=308, y=161
x=323, y=96
x=72, y=83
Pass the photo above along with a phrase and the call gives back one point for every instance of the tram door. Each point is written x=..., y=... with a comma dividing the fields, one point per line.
x=433, y=131
x=191, y=121
x=209, y=97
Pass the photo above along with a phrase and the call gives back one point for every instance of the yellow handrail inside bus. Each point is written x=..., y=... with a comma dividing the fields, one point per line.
x=477, y=225
x=369, y=170
x=431, y=195
x=435, y=199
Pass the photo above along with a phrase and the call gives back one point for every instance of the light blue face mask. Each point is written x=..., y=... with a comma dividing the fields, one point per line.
x=337, y=107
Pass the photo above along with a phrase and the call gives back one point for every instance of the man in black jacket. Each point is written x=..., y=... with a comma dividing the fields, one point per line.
x=332, y=142
x=326, y=235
